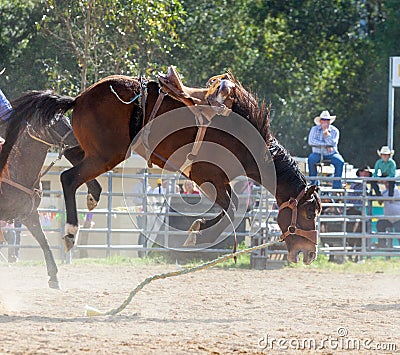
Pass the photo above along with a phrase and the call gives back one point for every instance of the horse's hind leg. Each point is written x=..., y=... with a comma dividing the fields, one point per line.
x=33, y=225
x=75, y=155
x=87, y=169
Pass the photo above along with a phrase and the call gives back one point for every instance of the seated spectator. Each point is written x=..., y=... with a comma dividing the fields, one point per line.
x=385, y=167
x=324, y=140
x=357, y=187
x=358, y=203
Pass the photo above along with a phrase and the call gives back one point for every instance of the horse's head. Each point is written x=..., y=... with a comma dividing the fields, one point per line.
x=58, y=132
x=297, y=220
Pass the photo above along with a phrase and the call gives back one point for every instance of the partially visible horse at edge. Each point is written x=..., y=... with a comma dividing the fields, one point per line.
x=109, y=115
x=20, y=189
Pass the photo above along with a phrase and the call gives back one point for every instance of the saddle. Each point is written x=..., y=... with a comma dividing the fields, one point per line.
x=204, y=103
x=215, y=99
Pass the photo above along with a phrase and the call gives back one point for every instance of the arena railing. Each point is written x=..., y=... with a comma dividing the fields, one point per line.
x=115, y=233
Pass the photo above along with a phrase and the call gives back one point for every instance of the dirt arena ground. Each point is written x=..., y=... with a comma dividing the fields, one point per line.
x=214, y=311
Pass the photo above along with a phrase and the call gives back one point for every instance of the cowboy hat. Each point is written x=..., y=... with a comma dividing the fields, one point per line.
x=385, y=150
x=326, y=115
x=364, y=168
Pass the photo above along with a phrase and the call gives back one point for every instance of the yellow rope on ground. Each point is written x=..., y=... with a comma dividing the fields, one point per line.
x=90, y=311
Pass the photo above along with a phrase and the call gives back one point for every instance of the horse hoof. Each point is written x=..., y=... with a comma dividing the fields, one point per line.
x=90, y=202
x=54, y=285
x=68, y=241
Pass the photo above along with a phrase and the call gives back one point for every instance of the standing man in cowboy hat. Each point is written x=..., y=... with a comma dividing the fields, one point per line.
x=385, y=166
x=324, y=139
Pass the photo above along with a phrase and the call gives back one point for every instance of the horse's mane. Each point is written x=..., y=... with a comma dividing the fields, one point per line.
x=246, y=105
x=286, y=167
x=287, y=170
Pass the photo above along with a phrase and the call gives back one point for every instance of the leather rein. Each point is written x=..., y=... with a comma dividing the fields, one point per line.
x=311, y=235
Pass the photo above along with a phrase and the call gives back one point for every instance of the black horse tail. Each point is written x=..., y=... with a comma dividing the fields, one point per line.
x=38, y=107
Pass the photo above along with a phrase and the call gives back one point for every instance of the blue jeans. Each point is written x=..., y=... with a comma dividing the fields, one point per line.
x=336, y=160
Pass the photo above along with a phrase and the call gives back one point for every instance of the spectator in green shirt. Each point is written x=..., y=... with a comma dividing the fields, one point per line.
x=385, y=166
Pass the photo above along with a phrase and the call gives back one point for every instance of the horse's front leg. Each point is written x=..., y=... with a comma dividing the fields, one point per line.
x=75, y=155
x=33, y=225
x=209, y=231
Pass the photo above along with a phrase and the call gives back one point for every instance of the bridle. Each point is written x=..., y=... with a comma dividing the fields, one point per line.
x=311, y=235
x=35, y=136
x=32, y=192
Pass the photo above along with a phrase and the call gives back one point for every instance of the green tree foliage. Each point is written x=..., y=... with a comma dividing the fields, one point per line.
x=20, y=47
x=217, y=35
x=368, y=130
x=102, y=37
x=314, y=52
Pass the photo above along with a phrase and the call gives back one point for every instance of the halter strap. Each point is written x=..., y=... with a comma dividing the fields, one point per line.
x=37, y=138
x=292, y=203
x=60, y=145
